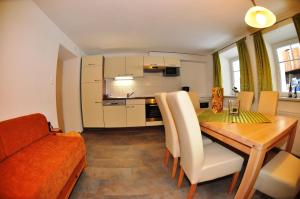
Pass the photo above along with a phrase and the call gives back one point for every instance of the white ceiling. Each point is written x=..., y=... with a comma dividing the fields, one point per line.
x=187, y=26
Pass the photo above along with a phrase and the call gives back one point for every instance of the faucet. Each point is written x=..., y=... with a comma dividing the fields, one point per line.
x=130, y=94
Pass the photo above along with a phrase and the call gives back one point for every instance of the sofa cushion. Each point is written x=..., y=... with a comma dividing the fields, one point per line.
x=42, y=169
x=18, y=133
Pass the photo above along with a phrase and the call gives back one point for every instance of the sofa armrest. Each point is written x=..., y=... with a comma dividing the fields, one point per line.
x=56, y=130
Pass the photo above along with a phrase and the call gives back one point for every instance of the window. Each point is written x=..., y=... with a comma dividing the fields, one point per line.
x=230, y=68
x=288, y=60
x=235, y=66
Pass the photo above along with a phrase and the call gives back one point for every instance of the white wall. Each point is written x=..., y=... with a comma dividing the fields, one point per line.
x=29, y=44
x=198, y=76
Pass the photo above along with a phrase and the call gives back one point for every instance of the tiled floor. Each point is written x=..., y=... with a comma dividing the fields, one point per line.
x=127, y=164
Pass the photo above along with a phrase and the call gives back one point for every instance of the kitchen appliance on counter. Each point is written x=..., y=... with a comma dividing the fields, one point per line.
x=152, y=110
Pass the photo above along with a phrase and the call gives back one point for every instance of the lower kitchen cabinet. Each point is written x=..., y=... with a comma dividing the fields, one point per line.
x=135, y=115
x=92, y=112
x=114, y=116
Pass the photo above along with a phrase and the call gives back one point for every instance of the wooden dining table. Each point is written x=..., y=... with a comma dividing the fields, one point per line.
x=254, y=140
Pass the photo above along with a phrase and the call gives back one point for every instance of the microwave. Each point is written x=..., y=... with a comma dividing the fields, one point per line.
x=171, y=71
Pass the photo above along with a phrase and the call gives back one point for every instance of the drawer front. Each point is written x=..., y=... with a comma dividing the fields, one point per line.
x=136, y=115
x=135, y=101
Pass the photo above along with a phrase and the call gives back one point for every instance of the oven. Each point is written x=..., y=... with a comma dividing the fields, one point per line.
x=152, y=110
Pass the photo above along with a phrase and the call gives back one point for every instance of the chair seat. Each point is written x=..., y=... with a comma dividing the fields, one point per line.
x=218, y=162
x=280, y=178
x=206, y=140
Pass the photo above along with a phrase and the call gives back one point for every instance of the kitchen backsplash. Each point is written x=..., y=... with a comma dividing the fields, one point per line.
x=146, y=86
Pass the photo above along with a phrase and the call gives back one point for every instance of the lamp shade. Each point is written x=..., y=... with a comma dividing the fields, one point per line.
x=259, y=17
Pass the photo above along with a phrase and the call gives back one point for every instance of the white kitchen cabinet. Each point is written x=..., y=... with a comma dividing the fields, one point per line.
x=114, y=116
x=92, y=109
x=136, y=115
x=134, y=66
x=172, y=62
x=92, y=91
x=91, y=69
x=114, y=66
x=153, y=61
x=91, y=73
x=92, y=112
x=92, y=60
x=135, y=112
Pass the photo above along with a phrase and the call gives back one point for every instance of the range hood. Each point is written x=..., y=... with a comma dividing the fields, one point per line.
x=154, y=69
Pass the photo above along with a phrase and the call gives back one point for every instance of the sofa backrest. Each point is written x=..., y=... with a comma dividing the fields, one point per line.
x=18, y=133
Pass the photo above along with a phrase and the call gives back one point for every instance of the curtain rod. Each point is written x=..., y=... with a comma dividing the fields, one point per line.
x=250, y=34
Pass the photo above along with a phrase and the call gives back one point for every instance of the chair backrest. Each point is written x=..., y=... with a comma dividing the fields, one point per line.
x=189, y=133
x=171, y=135
x=246, y=99
x=195, y=99
x=268, y=102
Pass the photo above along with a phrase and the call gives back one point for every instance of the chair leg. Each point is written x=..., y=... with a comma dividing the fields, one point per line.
x=192, y=191
x=233, y=182
x=167, y=156
x=175, y=162
x=180, y=179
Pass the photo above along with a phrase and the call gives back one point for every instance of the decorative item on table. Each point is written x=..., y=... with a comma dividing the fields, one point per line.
x=233, y=106
x=235, y=90
x=217, y=99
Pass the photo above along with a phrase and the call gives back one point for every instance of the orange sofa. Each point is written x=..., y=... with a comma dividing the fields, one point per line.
x=36, y=163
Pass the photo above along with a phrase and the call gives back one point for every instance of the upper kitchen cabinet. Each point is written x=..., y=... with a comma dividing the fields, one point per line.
x=172, y=62
x=91, y=69
x=134, y=66
x=114, y=66
x=153, y=61
x=92, y=60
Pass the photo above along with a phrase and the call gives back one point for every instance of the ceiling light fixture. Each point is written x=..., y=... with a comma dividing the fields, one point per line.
x=259, y=17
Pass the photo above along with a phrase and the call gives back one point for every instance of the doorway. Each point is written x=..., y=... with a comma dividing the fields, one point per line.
x=61, y=85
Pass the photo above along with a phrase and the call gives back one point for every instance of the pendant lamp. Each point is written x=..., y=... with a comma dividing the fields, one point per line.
x=259, y=17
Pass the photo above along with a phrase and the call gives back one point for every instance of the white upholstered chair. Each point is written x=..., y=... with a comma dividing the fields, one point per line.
x=199, y=162
x=279, y=178
x=171, y=136
x=246, y=99
x=195, y=99
x=268, y=101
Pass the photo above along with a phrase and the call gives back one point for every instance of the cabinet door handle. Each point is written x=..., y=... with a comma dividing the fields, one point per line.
x=97, y=80
x=97, y=102
x=129, y=106
x=91, y=64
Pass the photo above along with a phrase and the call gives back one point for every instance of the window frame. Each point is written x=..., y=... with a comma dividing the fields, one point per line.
x=275, y=46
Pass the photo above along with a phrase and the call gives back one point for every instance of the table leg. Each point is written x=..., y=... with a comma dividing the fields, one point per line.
x=291, y=138
x=254, y=164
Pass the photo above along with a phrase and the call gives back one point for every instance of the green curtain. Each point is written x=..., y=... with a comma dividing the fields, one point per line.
x=246, y=80
x=217, y=74
x=296, y=20
x=262, y=63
